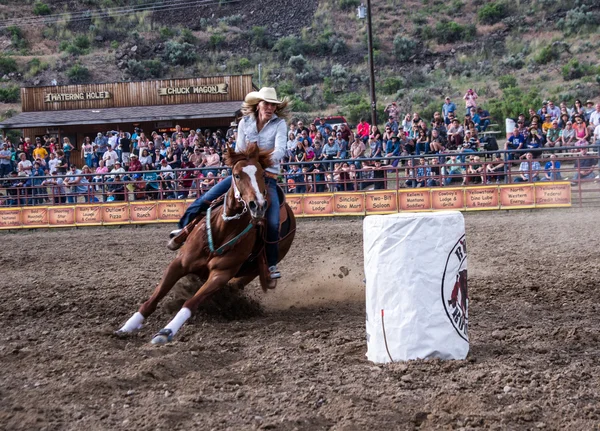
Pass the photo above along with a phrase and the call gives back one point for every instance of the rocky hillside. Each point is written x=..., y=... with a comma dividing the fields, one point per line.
x=314, y=51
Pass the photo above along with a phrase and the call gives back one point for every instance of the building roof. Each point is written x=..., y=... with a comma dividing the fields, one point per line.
x=121, y=115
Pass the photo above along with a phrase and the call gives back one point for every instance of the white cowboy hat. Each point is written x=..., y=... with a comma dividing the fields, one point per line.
x=268, y=94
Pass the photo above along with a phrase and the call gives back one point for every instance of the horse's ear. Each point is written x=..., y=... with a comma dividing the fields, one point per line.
x=230, y=157
x=253, y=150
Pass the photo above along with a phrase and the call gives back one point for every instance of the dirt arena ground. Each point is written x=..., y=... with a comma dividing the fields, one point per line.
x=300, y=365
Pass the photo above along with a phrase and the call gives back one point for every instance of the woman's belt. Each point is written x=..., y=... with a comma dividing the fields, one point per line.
x=270, y=175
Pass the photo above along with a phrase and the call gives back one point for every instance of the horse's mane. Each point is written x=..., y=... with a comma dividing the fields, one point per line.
x=251, y=153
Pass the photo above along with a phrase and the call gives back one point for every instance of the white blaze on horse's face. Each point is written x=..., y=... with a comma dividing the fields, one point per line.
x=251, y=171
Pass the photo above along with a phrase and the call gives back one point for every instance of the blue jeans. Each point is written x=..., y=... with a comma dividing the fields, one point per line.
x=202, y=203
x=422, y=147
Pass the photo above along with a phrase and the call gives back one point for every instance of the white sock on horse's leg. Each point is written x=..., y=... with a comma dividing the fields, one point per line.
x=178, y=321
x=134, y=323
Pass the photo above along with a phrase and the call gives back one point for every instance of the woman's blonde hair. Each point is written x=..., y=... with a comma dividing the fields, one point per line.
x=252, y=109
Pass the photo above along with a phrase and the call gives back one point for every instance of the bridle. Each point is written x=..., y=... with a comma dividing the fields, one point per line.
x=238, y=198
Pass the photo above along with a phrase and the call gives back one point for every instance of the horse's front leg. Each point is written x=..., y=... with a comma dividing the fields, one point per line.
x=172, y=274
x=216, y=280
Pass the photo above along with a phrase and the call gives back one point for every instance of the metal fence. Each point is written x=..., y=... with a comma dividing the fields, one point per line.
x=318, y=176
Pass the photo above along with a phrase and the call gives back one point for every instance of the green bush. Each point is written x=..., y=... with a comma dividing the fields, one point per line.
x=10, y=94
x=286, y=88
x=179, y=54
x=348, y=4
x=288, y=46
x=260, y=38
x=575, y=70
x=188, y=37
x=145, y=69
x=580, y=20
x=114, y=44
x=35, y=66
x=232, y=20
x=513, y=102
x=216, y=40
x=546, y=55
x=392, y=85
x=299, y=105
x=82, y=42
x=166, y=33
x=450, y=32
x=493, y=12
x=40, y=8
x=404, y=47
x=17, y=38
x=298, y=63
x=78, y=74
x=507, y=81
x=514, y=61
x=244, y=63
x=7, y=65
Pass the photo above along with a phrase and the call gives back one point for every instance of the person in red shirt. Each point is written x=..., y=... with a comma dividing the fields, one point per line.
x=363, y=129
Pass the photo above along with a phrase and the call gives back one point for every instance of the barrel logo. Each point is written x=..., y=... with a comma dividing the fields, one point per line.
x=455, y=295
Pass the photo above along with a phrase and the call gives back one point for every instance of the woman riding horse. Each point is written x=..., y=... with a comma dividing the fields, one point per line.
x=263, y=123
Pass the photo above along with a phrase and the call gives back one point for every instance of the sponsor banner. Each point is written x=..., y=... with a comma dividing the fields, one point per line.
x=142, y=212
x=381, y=202
x=88, y=215
x=61, y=216
x=318, y=204
x=34, y=217
x=482, y=198
x=521, y=196
x=349, y=203
x=295, y=203
x=10, y=218
x=169, y=211
x=553, y=194
x=414, y=200
x=448, y=199
x=115, y=213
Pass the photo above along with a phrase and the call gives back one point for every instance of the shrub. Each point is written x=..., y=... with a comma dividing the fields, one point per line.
x=514, y=61
x=114, y=44
x=404, y=47
x=36, y=66
x=145, y=69
x=298, y=63
x=348, y=4
x=392, y=85
x=216, y=40
x=450, y=32
x=179, y=54
x=244, y=63
x=546, y=55
x=579, y=20
x=514, y=101
x=78, y=74
x=260, y=38
x=289, y=46
x=7, y=65
x=507, y=81
x=339, y=77
x=575, y=70
x=493, y=12
x=40, y=8
x=10, y=94
x=356, y=111
x=17, y=38
x=188, y=37
x=232, y=20
x=166, y=33
x=82, y=42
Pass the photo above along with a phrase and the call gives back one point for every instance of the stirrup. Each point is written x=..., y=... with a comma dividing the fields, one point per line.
x=274, y=273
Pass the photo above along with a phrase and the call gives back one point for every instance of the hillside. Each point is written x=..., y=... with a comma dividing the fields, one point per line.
x=513, y=54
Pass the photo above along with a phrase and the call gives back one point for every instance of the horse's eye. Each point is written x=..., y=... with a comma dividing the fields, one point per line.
x=237, y=177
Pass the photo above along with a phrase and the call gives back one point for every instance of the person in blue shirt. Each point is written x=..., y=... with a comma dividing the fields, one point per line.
x=475, y=118
x=323, y=127
x=515, y=142
x=485, y=118
x=392, y=124
x=448, y=107
x=552, y=170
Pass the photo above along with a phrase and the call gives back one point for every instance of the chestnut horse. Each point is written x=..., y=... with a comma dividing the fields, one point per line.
x=223, y=247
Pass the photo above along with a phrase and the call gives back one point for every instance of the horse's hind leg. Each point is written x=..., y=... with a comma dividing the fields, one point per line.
x=171, y=275
x=216, y=280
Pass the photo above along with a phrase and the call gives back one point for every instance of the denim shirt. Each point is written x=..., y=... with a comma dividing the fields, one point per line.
x=273, y=136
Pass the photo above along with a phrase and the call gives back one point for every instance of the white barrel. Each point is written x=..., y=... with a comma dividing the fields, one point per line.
x=510, y=126
x=416, y=293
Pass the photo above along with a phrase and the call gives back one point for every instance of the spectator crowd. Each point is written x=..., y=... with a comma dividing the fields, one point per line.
x=320, y=156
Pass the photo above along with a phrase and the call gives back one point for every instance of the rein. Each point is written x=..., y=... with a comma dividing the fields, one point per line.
x=229, y=244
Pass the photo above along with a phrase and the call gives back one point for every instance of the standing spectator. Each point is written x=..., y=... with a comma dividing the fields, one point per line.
x=448, y=107
x=110, y=157
x=324, y=128
x=393, y=113
x=78, y=183
x=87, y=151
x=553, y=110
x=529, y=170
x=470, y=98
x=67, y=148
x=392, y=124
x=406, y=125
x=125, y=144
x=58, y=189
x=5, y=161
x=39, y=152
x=113, y=139
x=24, y=166
x=585, y=167
x=485, y=118
x=101, y=143
x=423, y=172
x=301, y=128
x=178, y=131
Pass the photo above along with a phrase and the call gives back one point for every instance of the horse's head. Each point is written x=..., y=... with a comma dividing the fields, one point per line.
x=248, y=179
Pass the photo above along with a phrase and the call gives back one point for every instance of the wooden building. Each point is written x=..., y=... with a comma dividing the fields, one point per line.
x=77, y=111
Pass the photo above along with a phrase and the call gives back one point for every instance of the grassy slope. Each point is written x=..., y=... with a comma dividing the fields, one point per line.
x=435, y=69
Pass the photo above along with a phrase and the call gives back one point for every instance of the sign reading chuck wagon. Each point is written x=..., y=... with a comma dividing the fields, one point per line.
x=194, y=89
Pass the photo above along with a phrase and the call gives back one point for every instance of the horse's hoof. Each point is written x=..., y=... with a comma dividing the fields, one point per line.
x=163, y=337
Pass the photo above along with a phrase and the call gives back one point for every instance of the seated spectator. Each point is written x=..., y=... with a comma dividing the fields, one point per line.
x=552, y=170
x=166, y=177
x=406, y=125
x=455, y=135
x=377, y=174
x=564, y=119
x=514, y=142
x=345, y=178
x=392, y=124
x=484, y=119
x=553, y=135
x=596, y=135
x=585, y=167
x=150, y=182
x=422, y=173
x=547, y=124
x=474, y=171
x=581, y=132
x=357, y=151
x=316, y=179
x=453, y=171
x=495, y=169
x=567, y=135
x=410, y=175
x=362, y=130
x=434, y=173
x=594, y=118
x=134, y=164
x=115, y=190
x=57, y=188
x=79, y=183
x=295, y=180
x=529, y=170
x=422, y=143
